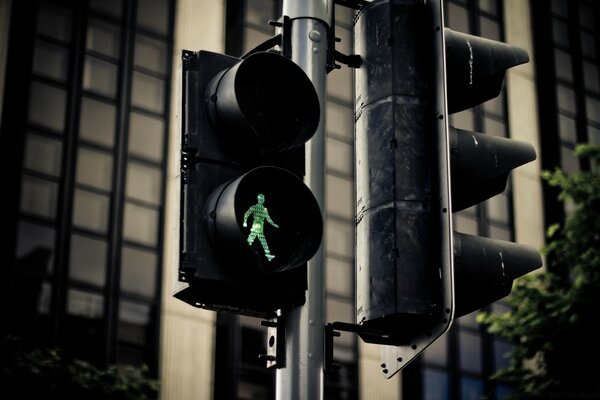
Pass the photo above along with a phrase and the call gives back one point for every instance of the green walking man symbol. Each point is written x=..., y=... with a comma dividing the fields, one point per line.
x=259, y=213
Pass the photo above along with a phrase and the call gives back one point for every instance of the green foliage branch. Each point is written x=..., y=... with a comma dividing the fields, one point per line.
x=554, y=321
x=33, y=372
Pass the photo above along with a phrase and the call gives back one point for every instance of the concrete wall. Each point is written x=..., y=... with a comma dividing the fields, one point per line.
x=187, y=333
x=523, y=125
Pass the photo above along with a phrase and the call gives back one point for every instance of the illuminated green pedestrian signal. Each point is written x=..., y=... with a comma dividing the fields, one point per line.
x=259, y=213
x=248, y=222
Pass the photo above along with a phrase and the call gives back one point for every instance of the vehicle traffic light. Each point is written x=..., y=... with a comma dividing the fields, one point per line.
x=248, y=224
x=480, y=165
x=414, y=274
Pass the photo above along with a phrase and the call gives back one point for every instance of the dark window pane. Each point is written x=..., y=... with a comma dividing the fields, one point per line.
x=569, y=160
x=50, y=60
x=43, y=154
x=457, y=18
x=503, y=391
x=35, y=240
x=148, y=92
x=567, y=129
x=564, y=68
x=47, y=106
x=560, y=7
x=593, y=135
x=463, y=120
x=103, y=38
x=437, y=353
x=339, y=277
x=494, y=127
x=39, y=197
x=254, y=37
x=495, y=106
x=143, y=183
x=90, y=211
x=54, y=22
x=501, y=354
x=150, y=53
x=146, y=136
x=500, y=232
x=592, y=109
x=340, y=121
x=88, y=260
x=587, y=17
x=134, y=322
x=97, y=122
x=339, y=310
x=153, y=15
x=85, y=304
x=470, y=352
x=435, y=385
x=31, y=296
x=339, y=156
x=566, y=98
x=560, y=32
x=489, y=29
x=129, y=355
x=259, y=12
x=471, y=389
x=489, y=6
x=84, y=329
x=100, y=77
x=112, y=8
x=497, y=207
x=141, y=224
x=138, y=273
x=94, y=168
x=588, y=44
x=339, y=85
x=469, y=320
x=466, y=223
x=590, y=77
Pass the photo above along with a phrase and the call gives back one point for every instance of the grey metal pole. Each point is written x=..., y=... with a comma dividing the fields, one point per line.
x=302, y=377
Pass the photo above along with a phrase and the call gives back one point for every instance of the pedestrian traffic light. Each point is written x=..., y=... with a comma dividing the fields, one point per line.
x=414, y=274
x=248, y=223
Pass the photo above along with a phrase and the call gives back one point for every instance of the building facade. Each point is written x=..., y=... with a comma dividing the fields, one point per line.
x=89, y=143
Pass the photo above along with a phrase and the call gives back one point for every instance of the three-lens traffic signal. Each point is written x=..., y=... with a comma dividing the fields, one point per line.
x=414, y=274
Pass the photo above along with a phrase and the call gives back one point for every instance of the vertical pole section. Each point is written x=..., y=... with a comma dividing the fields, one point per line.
x=302, y=378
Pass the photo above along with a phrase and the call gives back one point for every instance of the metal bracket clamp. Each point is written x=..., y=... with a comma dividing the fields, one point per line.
x=282, y=39
x=275, y=357
x=351, y=60
x=332, y=330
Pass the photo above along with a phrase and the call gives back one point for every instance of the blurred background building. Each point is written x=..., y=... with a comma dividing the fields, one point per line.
x=89, y=148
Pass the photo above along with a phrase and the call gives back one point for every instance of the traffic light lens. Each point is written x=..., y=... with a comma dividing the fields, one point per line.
x=267, y=217
x=266, y=103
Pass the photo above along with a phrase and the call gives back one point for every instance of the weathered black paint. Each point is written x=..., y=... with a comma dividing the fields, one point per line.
x=398, y=247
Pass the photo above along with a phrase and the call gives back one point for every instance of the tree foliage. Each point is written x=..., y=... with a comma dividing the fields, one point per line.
x=47, y=373
x=554, y=321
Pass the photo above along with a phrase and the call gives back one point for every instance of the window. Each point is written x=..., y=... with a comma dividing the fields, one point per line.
x=91, y=187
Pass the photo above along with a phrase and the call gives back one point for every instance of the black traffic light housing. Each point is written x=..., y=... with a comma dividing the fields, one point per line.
x=414, y=274
x=248, y=224
x=403, y=232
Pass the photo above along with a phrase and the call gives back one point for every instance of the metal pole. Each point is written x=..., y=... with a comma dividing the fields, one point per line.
x=302, y=377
